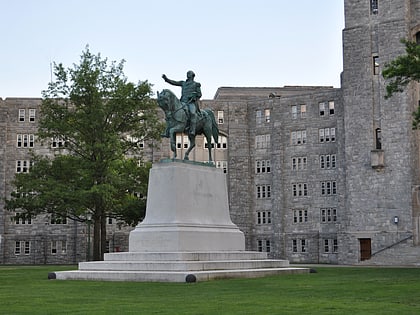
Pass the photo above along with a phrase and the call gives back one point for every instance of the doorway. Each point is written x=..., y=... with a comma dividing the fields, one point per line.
x=365, y=248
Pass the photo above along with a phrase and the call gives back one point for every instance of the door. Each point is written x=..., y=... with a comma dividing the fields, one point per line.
x=365, y=248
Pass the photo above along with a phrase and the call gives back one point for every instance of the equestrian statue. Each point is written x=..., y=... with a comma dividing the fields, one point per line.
x=184, y=115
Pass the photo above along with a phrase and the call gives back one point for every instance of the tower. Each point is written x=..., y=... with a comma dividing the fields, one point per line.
x=381, y=149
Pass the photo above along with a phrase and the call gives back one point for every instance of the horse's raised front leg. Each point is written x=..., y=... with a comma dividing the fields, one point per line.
x=192, y=145
x=172, y=136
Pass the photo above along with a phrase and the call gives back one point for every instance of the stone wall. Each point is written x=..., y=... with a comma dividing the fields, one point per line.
x=375, y=195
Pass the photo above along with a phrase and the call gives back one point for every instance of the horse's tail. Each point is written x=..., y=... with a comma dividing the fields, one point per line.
x=214, y=127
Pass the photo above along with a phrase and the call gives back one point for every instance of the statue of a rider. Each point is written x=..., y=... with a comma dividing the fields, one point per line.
x=191, y=93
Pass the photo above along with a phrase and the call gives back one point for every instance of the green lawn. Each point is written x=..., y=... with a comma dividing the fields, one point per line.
x=26, y=290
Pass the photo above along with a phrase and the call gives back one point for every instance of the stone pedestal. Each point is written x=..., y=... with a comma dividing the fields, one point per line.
x=186, y=236
x=187, y=210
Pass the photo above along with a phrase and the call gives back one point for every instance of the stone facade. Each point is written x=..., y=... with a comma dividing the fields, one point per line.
x=315, y=174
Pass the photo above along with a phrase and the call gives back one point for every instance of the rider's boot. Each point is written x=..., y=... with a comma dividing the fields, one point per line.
x=193, y=123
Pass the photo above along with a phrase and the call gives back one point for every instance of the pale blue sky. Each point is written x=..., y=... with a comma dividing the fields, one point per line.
x=225, y=42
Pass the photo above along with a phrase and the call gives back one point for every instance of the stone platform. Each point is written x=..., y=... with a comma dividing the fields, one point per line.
x=179, y=267
x=186, y=236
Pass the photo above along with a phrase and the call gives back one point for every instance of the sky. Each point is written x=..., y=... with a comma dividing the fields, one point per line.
x=227, y=43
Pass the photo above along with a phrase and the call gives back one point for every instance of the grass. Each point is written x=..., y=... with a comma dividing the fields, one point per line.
x=26, y=290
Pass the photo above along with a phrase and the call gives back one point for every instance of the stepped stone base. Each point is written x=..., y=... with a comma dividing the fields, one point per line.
x=179, y=267
x=186, y=236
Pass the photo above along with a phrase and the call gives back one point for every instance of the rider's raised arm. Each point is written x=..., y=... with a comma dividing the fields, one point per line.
x=177, y=83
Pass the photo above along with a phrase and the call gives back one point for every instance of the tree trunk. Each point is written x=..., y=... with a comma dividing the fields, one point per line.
x=103, y=236
x=96, y=239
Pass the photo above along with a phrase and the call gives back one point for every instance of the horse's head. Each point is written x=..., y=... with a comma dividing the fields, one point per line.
x=163, y=99
x=166, y=100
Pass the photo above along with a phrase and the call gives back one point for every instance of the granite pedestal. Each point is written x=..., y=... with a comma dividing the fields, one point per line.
x=186, y=236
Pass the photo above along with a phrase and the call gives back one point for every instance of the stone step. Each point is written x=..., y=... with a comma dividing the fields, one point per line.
x=185, y=256
x=183, y=265
x=181, y=276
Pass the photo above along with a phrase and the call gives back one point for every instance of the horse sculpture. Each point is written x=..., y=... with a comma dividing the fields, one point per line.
x=177, y=116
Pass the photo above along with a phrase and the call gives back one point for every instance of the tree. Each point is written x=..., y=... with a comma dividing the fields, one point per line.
x=101, y=118
x=403, y=70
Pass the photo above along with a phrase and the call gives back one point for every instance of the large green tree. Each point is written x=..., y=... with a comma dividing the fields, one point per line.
x=403, y=70
x=101, y=118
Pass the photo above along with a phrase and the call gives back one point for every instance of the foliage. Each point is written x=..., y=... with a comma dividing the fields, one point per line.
x=403, y=69
x=101, y=118
x=332, y=290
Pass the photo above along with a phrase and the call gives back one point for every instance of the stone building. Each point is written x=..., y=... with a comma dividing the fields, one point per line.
x=315, y=174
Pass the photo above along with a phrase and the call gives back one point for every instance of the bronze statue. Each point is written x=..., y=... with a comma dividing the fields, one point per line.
x=191, y=93
x=177, y=113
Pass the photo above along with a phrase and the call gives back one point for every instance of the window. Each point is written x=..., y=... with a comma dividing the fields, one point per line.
x=138, y=195
x=326, y=135
x=328, y=215
x=262, y=141
x=264, y=245
x=300, y=189
x=21, y=218
x=327, y=161
x=263, y=217
x=22, y=166
x=374, y=7
x=54, y=247
x=262, y=166
x=58, y=247
x=258, y=117
x=32, y=114
x=182, y=142
x=299, y=245
x=294, y=112
x=331, y=107
x=299, y=163
x=25, y=140
x=178, y=142
x=378, y=139
x=206, y=145
x=263, y=191
x=57, y=219
x=57, y=143
x=19, y=140
x=220, y=118
x=186, y=142
x=322, y=109
x=328, y=188
x=267, y=115
x=326, y=109
x=22, y=247
x=330, y=245
x=21, y=117
x=298, y=111
x=303, y=111
x=222, y=144
x=63, y=247
x=223, y=165
x=110, y=220
x=300, y=216
x=375, y=61
x=298, y=137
